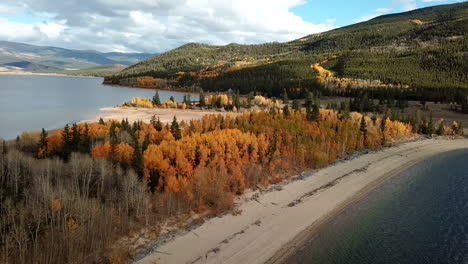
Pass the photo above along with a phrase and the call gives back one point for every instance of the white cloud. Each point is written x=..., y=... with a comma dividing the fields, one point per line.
x=156, y=26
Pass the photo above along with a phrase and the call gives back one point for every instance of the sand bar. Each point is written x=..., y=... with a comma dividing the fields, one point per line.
x=273, y=223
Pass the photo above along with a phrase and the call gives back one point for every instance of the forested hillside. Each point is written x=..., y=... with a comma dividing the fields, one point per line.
x=424, y=48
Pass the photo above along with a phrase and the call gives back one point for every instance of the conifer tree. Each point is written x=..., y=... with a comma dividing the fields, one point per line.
x=158, y=125
x=146, y=142
x=153, y=121
x=66, y=143
x=156, y=100
x=137, y=159
x=202, y=100
x=101, y=121
x=85, y=144
x=286, y=111
x=172, y=99
x=236, y=100
x=42, y=142
x=75, y=137
x=285, y=97
x=175, y=129
x=363, y=129
x=383, y=127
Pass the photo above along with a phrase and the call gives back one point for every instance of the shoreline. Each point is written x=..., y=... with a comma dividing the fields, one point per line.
x=144, y=114
x=297, y=242
x=288, y=213
x=46, y=74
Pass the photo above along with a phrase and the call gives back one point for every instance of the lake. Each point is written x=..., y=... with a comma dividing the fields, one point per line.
x=420, y=216
x=32, y=102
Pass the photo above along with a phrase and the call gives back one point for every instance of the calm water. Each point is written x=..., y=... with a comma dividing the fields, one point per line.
x=418, y=217
x=32, y=102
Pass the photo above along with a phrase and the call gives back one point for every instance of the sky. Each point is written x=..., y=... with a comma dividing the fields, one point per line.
x=160, y=25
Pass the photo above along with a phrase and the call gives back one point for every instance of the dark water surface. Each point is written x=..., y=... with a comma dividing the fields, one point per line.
x=420, y=216
x=31, y=102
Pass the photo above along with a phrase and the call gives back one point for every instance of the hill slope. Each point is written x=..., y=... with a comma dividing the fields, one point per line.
x=425, y=48
x=38, y=58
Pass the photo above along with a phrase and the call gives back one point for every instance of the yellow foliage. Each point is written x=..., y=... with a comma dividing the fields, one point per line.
x=262, y=101
x=417, y=21
x=169, y=104
x=56, y=205
x=223, y=99
x=141, y=102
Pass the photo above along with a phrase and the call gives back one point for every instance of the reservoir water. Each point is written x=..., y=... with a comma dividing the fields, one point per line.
x=32, y=102
x=420, y=216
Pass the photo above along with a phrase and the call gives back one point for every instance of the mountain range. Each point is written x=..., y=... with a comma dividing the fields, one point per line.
x=25, y=57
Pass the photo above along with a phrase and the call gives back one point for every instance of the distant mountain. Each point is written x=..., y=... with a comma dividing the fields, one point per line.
x=104, y=70
x=424, y=48
x=40, y=59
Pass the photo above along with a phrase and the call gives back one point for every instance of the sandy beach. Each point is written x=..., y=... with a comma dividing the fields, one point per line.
x=274, y=221
x=139, y=113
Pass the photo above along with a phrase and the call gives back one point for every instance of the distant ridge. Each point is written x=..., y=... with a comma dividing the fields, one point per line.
x=46, y=59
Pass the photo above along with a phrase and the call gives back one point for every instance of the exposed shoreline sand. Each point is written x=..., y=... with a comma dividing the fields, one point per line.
x=273, y=223
x=144, y=114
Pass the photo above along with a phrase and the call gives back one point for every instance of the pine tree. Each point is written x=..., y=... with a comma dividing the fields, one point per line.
x=153, y=121
x=66, y=143
x=202, y=100
x=188, y=101
x=158, y=125
x=175, y=129
x=137, y=159
x=172, y=98
x=75, y=137
x=156, y=100
x=285, y=97
x=236, y=100
x=309, y=99
x=286, y=111
x=85, y=144
x=146, y=142
x=101, y=121
x=383, y=127
x=313, y=112
x=363, y=129
x=43, y=143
